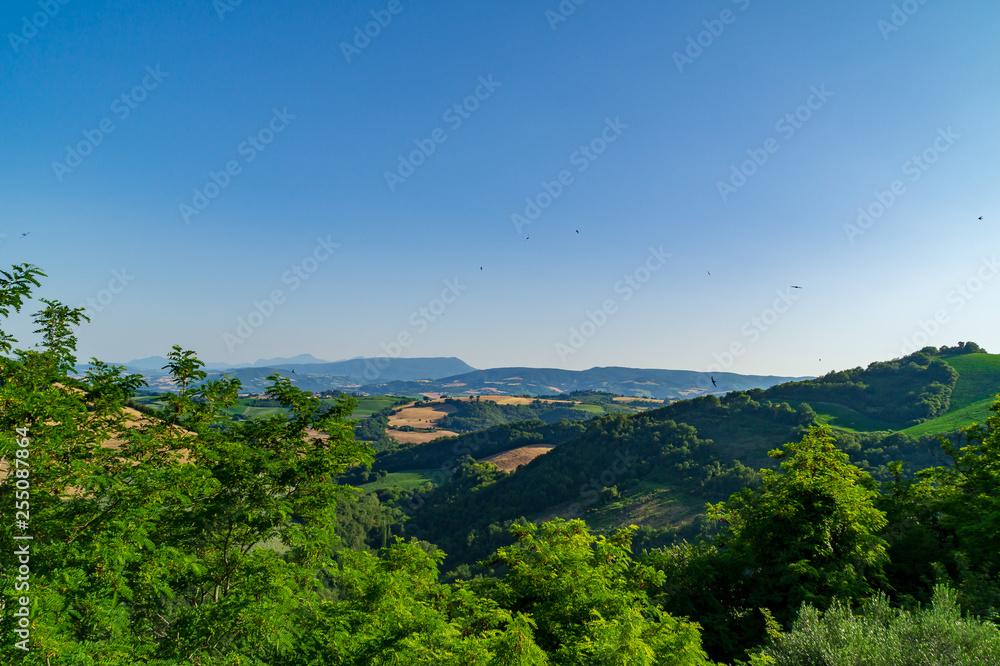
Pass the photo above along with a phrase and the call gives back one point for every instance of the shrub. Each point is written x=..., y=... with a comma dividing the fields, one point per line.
x=936, y=635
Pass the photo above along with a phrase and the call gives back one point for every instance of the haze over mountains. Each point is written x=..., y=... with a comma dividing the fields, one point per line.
x=452, y=376
x=156, y=363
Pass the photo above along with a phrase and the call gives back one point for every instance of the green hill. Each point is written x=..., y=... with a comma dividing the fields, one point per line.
x=635, y=382
x=975, y=392
x=899, y=393
x=978, y=378
x=659, y=468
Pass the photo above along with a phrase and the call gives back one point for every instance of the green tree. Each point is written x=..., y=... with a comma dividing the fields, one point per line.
x=880, y=635
x=809, y=534
x=587, y=598
x=15, y=286
x=390, y=609
x=188, y=539
x=964, y=497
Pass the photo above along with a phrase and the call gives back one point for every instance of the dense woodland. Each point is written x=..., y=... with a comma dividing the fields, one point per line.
x=899, y=393
x=184, y=536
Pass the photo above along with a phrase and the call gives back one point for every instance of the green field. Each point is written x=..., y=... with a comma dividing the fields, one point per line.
x=405, y=480
x=254, y=412
x=148, y=401
x=844, y=418
x=977, y=378
x=975, y=392
x=954, y=420
x=369, y=405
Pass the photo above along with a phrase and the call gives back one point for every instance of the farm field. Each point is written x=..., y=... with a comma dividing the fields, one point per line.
x=404, y=480
x=420, y=417
x=509, y=461
x=418, y=437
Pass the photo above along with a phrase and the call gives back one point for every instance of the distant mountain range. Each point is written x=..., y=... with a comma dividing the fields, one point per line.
x=156, y=363
x=452, y=376
x=645, y=383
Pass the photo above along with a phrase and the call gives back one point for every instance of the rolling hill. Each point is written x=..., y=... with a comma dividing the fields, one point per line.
x=452, y=376
x=644, y=383
x=660, y=467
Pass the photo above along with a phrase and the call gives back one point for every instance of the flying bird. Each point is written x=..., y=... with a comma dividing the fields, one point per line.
x=795, y=286
x=980, y=218
x=578, y=231
x=713, y=382
x=28, y=232
x=709, y=273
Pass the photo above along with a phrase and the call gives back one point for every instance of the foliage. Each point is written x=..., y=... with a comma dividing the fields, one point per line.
x=391, y=610
x=880, y=635
x=443, y=452
x=471, y=415
x=963, y=348
x=372, y=430
x=964, y=498
x=586, y=597
x=15, y=287
x=181, y=539
x=902, y=392
x=810, y=533
x=185, y=536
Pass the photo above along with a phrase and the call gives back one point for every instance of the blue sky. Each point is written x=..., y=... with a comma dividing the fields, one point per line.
x=121, y=119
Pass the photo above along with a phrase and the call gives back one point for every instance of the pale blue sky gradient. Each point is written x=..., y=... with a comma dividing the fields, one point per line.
x=656, y=185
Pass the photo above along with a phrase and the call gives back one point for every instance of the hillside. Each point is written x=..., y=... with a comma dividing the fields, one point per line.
x=633, y=382
x=975, y=391
x=659, y=468
x=315, y=377
x=349, y=375
x=931, y=392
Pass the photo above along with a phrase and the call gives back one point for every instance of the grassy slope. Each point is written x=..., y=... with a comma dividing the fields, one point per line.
x=975, y=392
x=405, y=480
x=979, y=378
x=844, y=418
x=657, y=502
x=589, y=408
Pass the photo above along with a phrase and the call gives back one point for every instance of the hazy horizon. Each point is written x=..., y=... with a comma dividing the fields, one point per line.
x=556, y=186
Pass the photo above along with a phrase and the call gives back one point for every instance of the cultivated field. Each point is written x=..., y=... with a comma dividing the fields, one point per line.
x=627, y=399
x=415, y=437
x=420, y=417
x=508, y=461
x=516, y=400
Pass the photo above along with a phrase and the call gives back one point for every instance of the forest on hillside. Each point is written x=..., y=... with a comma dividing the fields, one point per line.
x=184, y=536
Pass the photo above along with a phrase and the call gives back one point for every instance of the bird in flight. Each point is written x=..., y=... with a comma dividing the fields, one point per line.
x=28, y=232
x=713, y=382
x=528, y=236
x=795, y=286
x=980, y=218
x=480, y=268
x=709, y=273
x=578, y=231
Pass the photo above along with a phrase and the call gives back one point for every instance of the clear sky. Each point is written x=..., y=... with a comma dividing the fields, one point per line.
x=180, y=166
